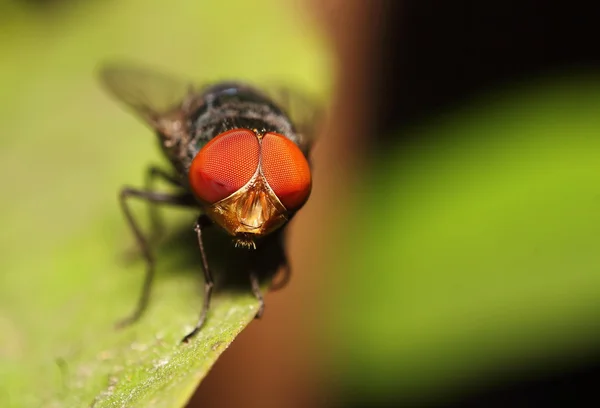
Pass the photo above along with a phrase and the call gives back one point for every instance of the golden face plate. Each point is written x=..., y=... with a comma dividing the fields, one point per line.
x=251, y=212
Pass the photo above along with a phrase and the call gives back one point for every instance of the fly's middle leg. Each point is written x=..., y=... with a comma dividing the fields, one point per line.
x=126, y=193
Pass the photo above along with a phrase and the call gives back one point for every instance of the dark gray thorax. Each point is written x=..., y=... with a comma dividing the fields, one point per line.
x=230, y=106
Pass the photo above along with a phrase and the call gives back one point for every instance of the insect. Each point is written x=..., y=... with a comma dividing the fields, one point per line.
x=236, y=156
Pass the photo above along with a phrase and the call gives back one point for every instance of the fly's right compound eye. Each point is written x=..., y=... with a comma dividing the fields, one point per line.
x=286, y=170
x=224, y=165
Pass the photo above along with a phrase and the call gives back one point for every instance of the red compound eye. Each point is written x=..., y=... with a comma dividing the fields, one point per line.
x=286, y=170
x=224, y=165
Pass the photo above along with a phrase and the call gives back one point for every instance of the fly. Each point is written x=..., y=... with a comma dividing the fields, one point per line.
x=235, y=156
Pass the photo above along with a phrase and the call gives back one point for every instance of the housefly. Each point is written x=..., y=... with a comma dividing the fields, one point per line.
x=237, y=155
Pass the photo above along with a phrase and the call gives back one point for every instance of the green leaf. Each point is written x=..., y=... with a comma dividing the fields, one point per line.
x=66, y=149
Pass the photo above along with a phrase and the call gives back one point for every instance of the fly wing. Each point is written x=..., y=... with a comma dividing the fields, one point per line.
x=159, y=99
x=304, y=111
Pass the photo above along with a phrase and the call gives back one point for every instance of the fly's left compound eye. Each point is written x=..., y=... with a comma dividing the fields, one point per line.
x=224, y=165
x=286, y=170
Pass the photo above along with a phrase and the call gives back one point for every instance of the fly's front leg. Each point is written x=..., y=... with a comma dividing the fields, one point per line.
x=202, y=222
x=184, y=200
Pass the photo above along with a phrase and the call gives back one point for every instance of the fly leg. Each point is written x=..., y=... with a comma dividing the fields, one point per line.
x=156, y=225
x=257, y=293
x=202, y=222
x=286, y=275
x=184, y=200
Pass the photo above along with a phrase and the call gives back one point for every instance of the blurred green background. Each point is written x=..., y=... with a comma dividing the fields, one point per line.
x=479, y=258
x=446, y=253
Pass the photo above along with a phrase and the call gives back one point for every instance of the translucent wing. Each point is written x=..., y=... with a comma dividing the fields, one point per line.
x=304, y=111
x=158, y=98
